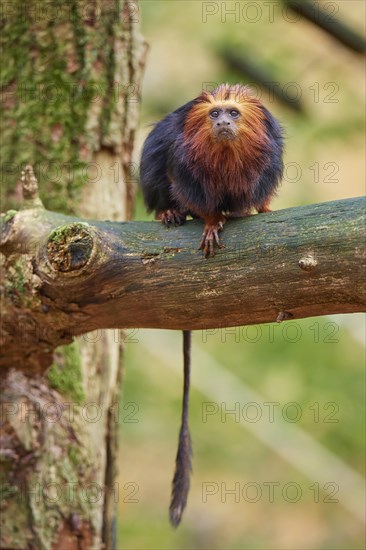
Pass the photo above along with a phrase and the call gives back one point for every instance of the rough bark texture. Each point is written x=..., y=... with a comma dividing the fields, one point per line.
x=72, y=111
x=292, y=263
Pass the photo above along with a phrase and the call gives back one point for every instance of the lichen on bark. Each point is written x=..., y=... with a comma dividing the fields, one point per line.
x=48, y=468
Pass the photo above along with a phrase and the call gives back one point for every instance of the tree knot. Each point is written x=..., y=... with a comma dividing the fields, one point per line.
x=70, y=246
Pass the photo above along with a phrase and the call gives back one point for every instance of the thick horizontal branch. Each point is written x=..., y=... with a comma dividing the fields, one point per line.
x=75, y=276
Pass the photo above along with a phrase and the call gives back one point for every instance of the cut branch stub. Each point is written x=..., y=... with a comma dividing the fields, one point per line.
x=70, y=247
x=30, y=187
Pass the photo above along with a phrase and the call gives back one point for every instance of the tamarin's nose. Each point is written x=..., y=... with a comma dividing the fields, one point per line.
x=224, y=122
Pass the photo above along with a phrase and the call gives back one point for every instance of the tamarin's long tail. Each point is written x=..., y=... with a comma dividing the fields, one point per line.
x=183, y=465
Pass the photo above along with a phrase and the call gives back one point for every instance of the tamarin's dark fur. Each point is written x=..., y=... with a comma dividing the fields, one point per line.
x=217, y=156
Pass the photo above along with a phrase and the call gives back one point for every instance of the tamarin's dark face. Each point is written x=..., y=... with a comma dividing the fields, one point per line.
x=224, y=122
x=229, y=118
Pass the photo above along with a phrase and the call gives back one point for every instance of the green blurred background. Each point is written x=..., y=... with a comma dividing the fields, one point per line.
x=313, y=368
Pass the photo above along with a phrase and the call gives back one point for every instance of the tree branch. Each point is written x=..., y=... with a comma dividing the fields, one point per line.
x=80, y=276
x=328, y=22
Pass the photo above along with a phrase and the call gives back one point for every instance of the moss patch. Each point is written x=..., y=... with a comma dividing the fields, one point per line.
x=9, y=215
x=53, y=84
x=16, y=284
x=61, y=233
x=19, y=280
x=65, y=374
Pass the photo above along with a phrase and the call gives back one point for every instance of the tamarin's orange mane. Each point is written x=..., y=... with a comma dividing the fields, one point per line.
x=227, y=164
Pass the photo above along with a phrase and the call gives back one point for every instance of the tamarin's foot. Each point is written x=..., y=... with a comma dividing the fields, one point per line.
x=264, y=208
x=210, y=236
x=171, y=217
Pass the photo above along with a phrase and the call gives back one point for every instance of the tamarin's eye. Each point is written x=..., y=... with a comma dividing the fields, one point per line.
x=214, y=114
x=234, y=113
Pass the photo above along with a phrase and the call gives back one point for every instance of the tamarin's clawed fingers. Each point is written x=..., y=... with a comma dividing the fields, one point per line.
x=171, y=217
x=210, y=236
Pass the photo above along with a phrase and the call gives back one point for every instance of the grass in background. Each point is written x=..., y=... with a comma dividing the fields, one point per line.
x=307, y=372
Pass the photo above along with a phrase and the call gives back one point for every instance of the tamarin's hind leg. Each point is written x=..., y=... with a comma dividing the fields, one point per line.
x=171, y=216
x=264, y=207
x=238, y=214
x=210, y=234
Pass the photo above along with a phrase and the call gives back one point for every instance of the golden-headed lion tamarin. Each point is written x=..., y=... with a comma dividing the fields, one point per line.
x=217, y=156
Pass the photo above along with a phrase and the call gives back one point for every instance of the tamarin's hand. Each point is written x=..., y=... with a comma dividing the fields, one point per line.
x=217, y=156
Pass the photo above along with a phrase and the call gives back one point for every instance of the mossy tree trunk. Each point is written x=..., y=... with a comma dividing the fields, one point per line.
x=70, y=94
